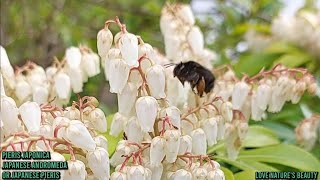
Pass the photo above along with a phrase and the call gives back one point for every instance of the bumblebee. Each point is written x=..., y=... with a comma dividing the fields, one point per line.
x=199, y=77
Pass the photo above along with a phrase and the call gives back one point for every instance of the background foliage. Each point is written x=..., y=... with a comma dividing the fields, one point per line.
x=39, y=30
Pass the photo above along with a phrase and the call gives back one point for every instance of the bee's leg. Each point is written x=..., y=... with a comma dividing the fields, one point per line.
x=201, y=85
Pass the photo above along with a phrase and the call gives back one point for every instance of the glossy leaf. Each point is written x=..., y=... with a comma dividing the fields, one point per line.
x=259, y=136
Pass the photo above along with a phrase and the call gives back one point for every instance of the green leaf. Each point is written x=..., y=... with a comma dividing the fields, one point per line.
x=283, y=131
x=246, y=165
x=247, y=175
x=112, y=141
x=227, y=173
x=294, y=59
x=260, y=166
x=281, y=48
x=259, y=136
x=252, y=63
x=284, y=154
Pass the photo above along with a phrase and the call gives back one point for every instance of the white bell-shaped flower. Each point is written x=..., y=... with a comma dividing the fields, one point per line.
x=90, y=63
x=114, y=53
x=98, y=119
x=263, y=96
x=76, y=79
x=196, y=40
x=136, y=172
x=156, y=171
x=118, y=75
x=6, y=68
x=216, y=174
x=104, y=42
x=157, y=150
x=147, y=110
x=60, y=121
x=76, y=171
x=182, y=174
x=133, y=130
x=98, y=161
x=239, y=95
x=173, y=113
x=58, y=157
x=9, y=114
x=146, y=49
x=155, y=77
x=184, y=12
x=62, y=85
x=148, y=173
x=101, y=141
x=200, y=173
x=50, y=72
x=73, y=57
x=221, y=127
x=72, y=113
x=172, y=144
x=185, y=145
x=128, y=45
x=40, y=94
x=210, y=127
x=118, y=176
x=79, y=135
x=122, y=149
x=298, y=91
x=172, y=46
x=45, y=131
x=199, y=142
x=31, y=116
x=127, y=98
x=226, y=111
x=117, y=124
x=256, y=111
x=23, y=90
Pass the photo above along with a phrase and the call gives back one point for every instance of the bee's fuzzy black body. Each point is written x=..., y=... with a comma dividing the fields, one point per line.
x=197, y=75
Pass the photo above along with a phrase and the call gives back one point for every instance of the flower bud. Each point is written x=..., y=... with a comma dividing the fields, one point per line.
x=118, y=176
x=221, y=127
x=256, y=111
x=195, y=40
x=45, y=131
x=172, y=144
x=185, y=145
x=156, y=171
x=23, y=90
x=173, y=113
x=98, y=120
x=298, y=91
x=182, y=174
x=306, y=133
x=263, y=96
x=127, y=98
x=63, y=121
x=184, y=12
x=73, y=57
x=133, y=130
x=62, y=85
x=147, y=110
x=31, y=116
x=135, y=78
x=76, y=79
x=104, y=42
x=101, y=141
x=90, y=64
x=9, y=114
x=226, y=111
x=146, y=49
x=172, y=46
x=58, y=157
x=216, y=174
x=117, y=124
x=72, y=113
x=98, y=161
x=157, y=150
x=312, y=88
x=210, y=127
x=79, y=135
x=136, y=172
x=239, y=95
x=40, y=94
x=128, y=45
x=118, y=75
x=242, y=128
x=76, y=171
x=199, y=142
x=200, y=173
x=114, y=53
x=156, y=81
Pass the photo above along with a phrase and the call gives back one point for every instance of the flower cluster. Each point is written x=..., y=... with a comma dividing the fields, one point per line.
x=307, y=132
x=184, y=40
x=72, y=130
x=32, y=82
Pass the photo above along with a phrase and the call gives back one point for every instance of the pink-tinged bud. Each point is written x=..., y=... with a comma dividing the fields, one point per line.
x=136, y=172
x=23, y=90
x=306, y=133
x=62, y=85
x=147, y=111
x=127, y=98
x=6, y=68
x=199, y=142
x=239, y=95
x=98, y=120
x=216, y=174
x=101, y=141
x=90, y=64
x=104, y=42
x=118, y=176
x=195, y=40
x=182, y=174
x=157, y=150
x=133, y=130
x=128, y=45
x=117, y=124
x=185, y=145
x=73, y=57
x=79, y=135
x=172, y=144
x=184, y=12
x=156, y=81
x=9, y=114
x=256, y=111
x=226, y=111
x=263, y=96
x=98, y=161
x=210, y=128
x=312, y=88
x=31, y=116
x=173, y=113
x=118, y=75
x=200, y=173
x=40, y=94
x=76, y=171
x=298, y=91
